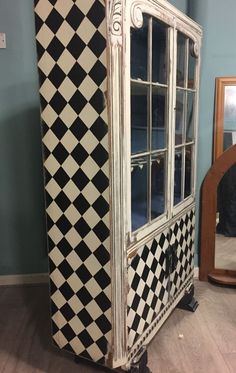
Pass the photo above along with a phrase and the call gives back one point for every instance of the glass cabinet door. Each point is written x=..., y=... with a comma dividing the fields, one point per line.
x=149, y=121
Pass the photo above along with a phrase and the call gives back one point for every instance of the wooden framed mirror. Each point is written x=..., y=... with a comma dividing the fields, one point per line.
x=225, y=115
x=218, y=213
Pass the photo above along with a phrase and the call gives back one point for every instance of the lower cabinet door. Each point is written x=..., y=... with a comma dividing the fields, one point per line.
x=148, y=286
x=182, y=246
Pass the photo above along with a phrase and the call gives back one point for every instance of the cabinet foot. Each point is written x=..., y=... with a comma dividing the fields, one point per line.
x=188, y=302
x=139, y=364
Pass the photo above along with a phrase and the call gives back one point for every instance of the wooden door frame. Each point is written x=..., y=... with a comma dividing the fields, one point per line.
x=208, y=220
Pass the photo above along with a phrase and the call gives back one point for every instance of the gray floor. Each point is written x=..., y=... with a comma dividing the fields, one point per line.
x=201, y=342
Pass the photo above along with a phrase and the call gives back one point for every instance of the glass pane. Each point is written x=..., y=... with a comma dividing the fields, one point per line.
x=179, y=116
x=230, y=108
x=159, y=53
x=178, y=176
x=191, y=67
x=181, y=59
x=188, y=171
x=139, y=194
x=190, y=117
x=139, y=103
x=159, y=115
x=139, y=51
x=158, y=185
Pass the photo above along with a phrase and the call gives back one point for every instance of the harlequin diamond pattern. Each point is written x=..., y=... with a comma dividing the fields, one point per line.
x=71, y=45
x=148, y=285
x=182, y=237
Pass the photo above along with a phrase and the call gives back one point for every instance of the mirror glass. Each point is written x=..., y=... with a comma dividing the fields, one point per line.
x=225, y=242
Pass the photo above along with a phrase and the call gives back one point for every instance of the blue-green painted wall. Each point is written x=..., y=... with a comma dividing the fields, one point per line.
x=22, y=235
x=180, y=4
x=218, y=59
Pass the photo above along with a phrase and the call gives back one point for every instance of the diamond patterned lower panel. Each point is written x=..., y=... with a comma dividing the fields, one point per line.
x=182, y=238
x=148, y=286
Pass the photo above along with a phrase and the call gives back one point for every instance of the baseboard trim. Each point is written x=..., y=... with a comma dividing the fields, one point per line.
x=196, y=272
x=35, y=278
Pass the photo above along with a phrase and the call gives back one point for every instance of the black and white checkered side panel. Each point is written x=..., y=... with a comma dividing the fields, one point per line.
x=182, y=238
x=148, y=286
x=71, y=45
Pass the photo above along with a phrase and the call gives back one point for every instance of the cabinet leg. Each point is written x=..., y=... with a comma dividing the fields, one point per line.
x=188, y=302
x=139, y=364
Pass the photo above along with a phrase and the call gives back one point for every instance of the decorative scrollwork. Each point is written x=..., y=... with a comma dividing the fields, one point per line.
x=116, y=18
x=194, y=48
x=136, y=16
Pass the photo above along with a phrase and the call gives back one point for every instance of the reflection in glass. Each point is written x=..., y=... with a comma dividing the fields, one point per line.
x=188, y=172
x=159, y=114
x=158, y=185
x=139, y=105
x=139, y=51
x=230, y=108
x=190, y=117
x=181, y=58
x=191, y=67
x=139, y=188
x=179, y=116
x=159, y=53
x=178, y=176
x=225, y=244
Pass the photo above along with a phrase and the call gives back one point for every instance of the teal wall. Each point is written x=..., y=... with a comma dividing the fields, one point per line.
x=22, y=235
x=218, y=59
x=180, y=4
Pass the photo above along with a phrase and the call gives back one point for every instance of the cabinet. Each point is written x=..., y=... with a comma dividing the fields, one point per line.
x=119, y=95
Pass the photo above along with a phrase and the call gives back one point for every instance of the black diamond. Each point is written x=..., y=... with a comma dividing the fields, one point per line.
x=145, y=273
x=61, y=177
x=100, y=181
x=59, y=128
x=98, y=73
x=102, y=344
x=38, y=23
x=161, y=241
x=75, y=17
x=78, y=129
x=53, y=2
x=85, y=339
x=135, y=262
x=56, y=76
x=79, y=154
x=154, y=302
x=58, y=103
x=81, y=204
x=77, y=74
x=83, y=274
x=82, y=228
x=145, y=293
x=97, y=44
x=85, y=318
x=103, y=324
x=154, y=284
x=101, y=206
x=145, y=312
x=103, y=302
x=55, y=48
x=50, y=223
x=96, y=14
x=97, y=101
x=101, y=231
x=135, y=282
x=136, y=322
x=76, y=46
x=48, y=198
x=145, y=253
x=102, y=255
x=54, y=21
x=64, y=247
x=68, y=332
x=43, y=103
x=80, y=179
x=154, y=245
x=42, y=76
x=135, y=302
x=62, y=201
x=54, y=327
x=65, y=269
x=83, y=251
x=40, y=50
x=51, y=244
x=99, y=129
x=99, y=155
x=66, y=291
x=84, y=296
x=154, y=265
x=60, y=153
x=64, y=225
x=67, y=312
x=52, y=266
x=77, y=102
x=102, y=279
x=47, y=176
x=46, y=152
